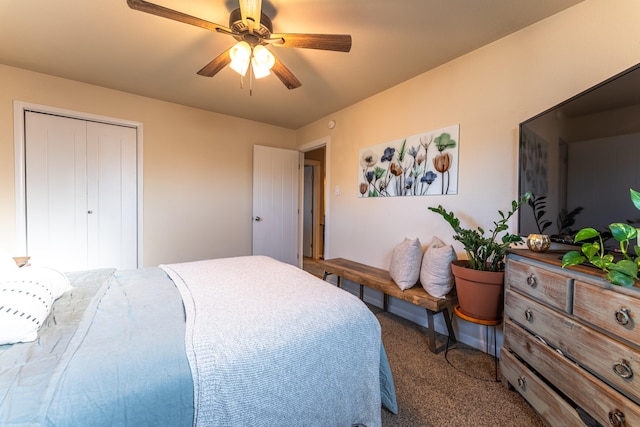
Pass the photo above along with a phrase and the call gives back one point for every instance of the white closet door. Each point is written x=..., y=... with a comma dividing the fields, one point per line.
x=56, y=195
x=81, y=193
x=112, y=184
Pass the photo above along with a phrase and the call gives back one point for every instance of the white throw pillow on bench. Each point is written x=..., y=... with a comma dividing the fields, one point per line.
x=405, y=263
x=435, y=272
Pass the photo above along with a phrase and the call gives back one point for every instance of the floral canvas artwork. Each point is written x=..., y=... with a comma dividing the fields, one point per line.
x=418, y=165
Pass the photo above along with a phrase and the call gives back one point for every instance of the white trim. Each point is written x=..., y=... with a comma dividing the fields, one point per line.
x=19, y=156
x=300, y=207
x=319, y=143
x=19, y=109
x=315, y=240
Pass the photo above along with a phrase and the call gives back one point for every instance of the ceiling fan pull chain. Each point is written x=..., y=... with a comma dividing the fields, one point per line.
x=250, y=81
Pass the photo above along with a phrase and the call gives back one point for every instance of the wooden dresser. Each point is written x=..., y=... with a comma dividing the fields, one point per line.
x=571, y=342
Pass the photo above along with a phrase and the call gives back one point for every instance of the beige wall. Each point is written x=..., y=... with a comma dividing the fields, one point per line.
x=197, y=166
x=488, y=92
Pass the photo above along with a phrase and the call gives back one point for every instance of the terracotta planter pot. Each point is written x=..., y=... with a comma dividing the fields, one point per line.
x=480, y=293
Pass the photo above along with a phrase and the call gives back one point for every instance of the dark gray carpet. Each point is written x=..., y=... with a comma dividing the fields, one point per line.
x=432, y=393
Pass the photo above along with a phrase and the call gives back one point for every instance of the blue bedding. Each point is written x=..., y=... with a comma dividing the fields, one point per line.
x=112, y=352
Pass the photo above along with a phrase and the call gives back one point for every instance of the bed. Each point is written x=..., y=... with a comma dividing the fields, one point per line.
x=226, y=342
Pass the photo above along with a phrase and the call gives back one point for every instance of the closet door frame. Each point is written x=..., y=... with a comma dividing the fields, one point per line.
x=19, y=109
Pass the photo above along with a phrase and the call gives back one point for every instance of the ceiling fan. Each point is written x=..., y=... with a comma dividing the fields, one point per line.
x=253, y=30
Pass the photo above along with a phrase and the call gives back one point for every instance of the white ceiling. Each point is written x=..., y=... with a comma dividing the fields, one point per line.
x=105, y=43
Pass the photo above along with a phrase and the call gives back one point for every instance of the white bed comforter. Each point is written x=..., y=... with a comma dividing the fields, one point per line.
x=271, y=345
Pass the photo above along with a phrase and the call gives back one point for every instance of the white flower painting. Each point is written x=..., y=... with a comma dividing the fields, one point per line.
x=417, y=165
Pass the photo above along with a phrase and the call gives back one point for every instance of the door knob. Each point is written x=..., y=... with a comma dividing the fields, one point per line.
x=258, y=218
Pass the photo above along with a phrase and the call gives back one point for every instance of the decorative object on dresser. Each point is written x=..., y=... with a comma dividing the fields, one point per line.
x=485, y=255
x=571, y=341
x=538, y=242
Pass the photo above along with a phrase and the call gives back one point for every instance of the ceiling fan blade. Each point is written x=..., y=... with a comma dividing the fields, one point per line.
x=251, y=10
x=154, y=9
x=218, y=63
x=336, y=42
x=285, y=75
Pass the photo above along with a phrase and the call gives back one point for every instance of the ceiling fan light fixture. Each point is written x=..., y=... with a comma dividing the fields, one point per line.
x=248, y=24
x=262, y=61
x=240, y=55
x=251, y=10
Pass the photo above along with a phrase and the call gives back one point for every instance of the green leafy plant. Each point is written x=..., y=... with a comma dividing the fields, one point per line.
x=485, y=252
x=623, y=272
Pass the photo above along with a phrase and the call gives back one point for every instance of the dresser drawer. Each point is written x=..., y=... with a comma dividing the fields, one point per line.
x=598, y=399
x=615, y=313
x=611, y=360
x=541, y=284
x=552, y=407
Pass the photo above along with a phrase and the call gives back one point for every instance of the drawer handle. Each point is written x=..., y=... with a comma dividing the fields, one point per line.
x=623, y=316
x=528, y=314
x=616, y=418
x=531, y=280
x=623, y=369
x=521, y=382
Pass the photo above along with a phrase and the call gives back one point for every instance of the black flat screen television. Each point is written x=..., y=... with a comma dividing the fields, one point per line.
x=581, y=157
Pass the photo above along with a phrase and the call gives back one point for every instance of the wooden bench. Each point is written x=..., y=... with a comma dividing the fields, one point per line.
x=380, y=280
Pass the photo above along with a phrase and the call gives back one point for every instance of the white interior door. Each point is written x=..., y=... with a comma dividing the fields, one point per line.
x=56, y=196
x=81, y=193
x=275, y=203
x=112, y=195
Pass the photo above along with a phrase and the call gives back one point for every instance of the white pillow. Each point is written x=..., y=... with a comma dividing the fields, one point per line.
x=26, y=297
x=405, y=263
x=435, y=272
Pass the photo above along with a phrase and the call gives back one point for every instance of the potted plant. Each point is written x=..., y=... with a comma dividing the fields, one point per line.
x=624, y=272
x=480, y=278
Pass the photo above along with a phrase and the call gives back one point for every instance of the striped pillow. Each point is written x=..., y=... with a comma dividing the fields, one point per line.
x=26, y=298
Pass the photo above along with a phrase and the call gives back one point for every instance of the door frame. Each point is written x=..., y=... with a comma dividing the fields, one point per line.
x=315, y=203
x=19, y=109
x=310, y=146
